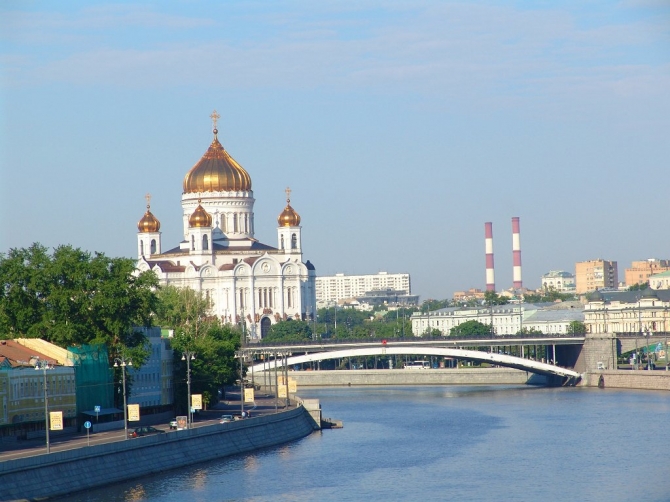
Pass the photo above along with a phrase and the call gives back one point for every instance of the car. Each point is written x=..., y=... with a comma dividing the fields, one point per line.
x=173, y=424
x=225, y=419
x=146, y=430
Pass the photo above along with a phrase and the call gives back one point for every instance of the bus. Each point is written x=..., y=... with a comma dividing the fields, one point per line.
x=417, y=365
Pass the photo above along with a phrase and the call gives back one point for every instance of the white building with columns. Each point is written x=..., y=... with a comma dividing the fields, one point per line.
x=246, y=280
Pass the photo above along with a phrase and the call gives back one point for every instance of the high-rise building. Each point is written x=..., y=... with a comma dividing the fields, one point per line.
x=595, y=274
x=640, y=271
x=248, y=282
x=333, y=288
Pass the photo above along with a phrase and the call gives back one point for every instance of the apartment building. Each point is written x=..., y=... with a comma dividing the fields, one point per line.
x=334, y=288
x=558, y=280
x=640, y=271
x=595, y=274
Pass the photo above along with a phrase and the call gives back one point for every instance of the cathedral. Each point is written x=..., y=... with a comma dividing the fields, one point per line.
x=249, y=283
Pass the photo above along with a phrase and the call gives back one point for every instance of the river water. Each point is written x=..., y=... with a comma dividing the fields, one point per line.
x=445, y=443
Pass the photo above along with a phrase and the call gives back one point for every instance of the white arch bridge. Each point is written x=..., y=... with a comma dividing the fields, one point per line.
x=570, y=377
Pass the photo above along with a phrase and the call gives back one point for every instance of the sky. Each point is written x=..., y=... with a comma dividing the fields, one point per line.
x=401, y=127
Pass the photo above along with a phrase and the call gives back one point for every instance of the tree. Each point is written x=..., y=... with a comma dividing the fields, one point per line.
x=639, y=287
x=196, y=330
x=471, y=329
x=289, y=331
x=72, y=297
x=493, y=298
x=577, y=328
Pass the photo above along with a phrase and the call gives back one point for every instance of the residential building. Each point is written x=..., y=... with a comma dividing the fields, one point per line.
x=247, y=281
x=558, y=280
x=646, y=311
x=660, y=281
x=335, y=288
x=22, y=389
x=595, y=274
x=470, y=294
x=640, y=271
x=152, y=383
x=508, y=319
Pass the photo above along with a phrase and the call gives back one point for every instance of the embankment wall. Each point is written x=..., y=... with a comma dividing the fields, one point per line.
x=64, y=472
x=629, y=379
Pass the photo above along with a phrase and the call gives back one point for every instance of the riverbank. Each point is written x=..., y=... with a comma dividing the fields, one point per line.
x=628, y=379
x=65, y=472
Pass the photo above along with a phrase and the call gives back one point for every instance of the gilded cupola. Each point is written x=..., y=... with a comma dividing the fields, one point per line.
x=216, y=171
x=288, y=217
x=149, y=223
x=200, y=218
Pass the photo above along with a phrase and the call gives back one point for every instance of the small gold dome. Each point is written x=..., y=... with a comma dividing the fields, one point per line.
x=200, y=218
x=288, y=217
x=216, y=171
x=149, y=223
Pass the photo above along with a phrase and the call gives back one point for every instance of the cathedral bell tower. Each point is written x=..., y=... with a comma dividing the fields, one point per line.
x=148, y=236
x=200, y=232
x=288, y=232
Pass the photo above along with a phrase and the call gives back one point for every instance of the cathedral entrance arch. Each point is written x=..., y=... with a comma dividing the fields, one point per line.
x=265, y=326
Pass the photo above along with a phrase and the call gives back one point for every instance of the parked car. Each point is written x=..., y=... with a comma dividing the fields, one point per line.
x=146, y=430
x=173, y=424
x=225, y=419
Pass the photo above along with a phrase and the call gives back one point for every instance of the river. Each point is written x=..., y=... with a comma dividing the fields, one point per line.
x=445, y=443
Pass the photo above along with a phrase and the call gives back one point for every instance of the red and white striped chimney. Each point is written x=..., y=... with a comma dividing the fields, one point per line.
x=516, y=253
x=490, y=275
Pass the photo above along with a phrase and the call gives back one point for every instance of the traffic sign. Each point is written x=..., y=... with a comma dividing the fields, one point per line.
x=87, y=424
x=96, y=409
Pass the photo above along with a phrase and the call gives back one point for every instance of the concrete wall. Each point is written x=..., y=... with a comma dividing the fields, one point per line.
x=452, y=376
x=623, y=379
x=65, y=472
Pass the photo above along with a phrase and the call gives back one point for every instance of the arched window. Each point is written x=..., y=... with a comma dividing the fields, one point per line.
x=141, y=248
x=294, y=241
x=235, y=227
x=282, y=242
x=153, y=246
x=205, y=243
x=193, y=243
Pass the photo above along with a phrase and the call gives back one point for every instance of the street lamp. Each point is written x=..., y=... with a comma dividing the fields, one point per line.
x=123, y=362
x=188, y=356
x=240, y=354
x=44, y=366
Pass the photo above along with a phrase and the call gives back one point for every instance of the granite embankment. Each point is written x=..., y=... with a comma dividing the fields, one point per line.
x=60, y=473
x=628, y=379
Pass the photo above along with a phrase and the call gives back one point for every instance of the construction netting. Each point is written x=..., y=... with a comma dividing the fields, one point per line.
x=94, y=377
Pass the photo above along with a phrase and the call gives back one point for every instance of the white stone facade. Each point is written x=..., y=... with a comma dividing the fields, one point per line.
x=334, y=288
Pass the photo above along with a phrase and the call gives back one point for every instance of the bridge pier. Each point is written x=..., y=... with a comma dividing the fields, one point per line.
x=597, y=348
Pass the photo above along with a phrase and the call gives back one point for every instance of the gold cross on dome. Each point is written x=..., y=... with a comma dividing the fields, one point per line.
x=148, y=198
x=288, y=194
x=215, y=117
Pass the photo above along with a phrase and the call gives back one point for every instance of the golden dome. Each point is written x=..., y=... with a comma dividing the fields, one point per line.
x=149, y=223
x=288, y=217
x=216, y=171
x=200, y=218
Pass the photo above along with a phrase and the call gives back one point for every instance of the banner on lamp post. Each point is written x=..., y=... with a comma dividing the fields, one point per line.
x=133, y=413
x=292, y=386
x=56, y=420
x=196, y=401
x=249, y=395
x=281, y=391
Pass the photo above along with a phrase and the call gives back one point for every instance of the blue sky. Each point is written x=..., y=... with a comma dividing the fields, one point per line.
x=401, y=127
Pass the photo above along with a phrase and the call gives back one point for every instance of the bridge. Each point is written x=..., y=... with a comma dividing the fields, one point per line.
x=320, y=352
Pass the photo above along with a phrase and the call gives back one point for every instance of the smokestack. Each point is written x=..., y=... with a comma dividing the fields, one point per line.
x=516, y=253
x=490, y=275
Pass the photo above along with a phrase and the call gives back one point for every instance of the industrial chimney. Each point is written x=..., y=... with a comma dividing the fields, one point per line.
x=516, y=253
x=490, y=275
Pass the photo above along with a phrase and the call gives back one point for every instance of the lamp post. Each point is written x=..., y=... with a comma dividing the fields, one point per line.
x=188, y=356
x=123, y=362
x=44, y=366
x=240, y=354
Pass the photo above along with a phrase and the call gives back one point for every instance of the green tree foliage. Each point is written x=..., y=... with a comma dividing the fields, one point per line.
x=289, y=331
x=470, y=329
x=71, y=298
x=577, y=328
x=639, y=287
x=529, y=331
x=188, y=313
x=548, y=295
x=493, y=298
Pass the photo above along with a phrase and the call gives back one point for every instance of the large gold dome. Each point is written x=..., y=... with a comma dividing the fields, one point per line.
x=216, y=171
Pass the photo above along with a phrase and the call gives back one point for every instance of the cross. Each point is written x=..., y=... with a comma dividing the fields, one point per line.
x=215, y=117
x=288, y=194
x=148, y=198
